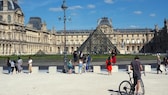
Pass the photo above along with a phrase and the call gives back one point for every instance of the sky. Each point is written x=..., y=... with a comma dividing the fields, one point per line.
x=84, y=14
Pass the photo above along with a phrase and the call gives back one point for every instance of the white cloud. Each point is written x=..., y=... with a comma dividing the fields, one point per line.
x=109, y=1
x=55, y=9
x=60, y=9
x=134, y=26
x=73, y=14
x=75, y=7
x=152, y=15
x=92, y=12
x=45, y=3
x=138, y=12
x=91, y=6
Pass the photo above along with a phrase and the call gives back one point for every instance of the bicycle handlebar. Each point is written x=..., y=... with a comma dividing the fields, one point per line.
x=142, y=72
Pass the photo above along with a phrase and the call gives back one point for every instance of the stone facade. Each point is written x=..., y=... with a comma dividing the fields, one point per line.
x=17, y=38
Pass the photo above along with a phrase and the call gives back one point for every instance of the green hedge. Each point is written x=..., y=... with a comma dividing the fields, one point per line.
x=94, y=57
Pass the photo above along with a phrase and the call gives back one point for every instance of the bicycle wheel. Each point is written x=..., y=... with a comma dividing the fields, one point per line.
x=125, y=88
x=142, y=88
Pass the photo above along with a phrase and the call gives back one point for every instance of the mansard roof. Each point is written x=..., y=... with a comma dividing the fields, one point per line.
x=11, y=5
x=36, y=22
x=133, y=30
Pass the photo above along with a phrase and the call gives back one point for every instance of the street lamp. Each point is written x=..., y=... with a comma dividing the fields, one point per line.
x=64, y=7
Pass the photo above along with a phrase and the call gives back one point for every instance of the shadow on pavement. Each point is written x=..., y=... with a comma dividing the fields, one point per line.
x=113, y=92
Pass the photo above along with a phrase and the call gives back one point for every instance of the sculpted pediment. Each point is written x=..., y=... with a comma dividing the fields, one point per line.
x=19, y=12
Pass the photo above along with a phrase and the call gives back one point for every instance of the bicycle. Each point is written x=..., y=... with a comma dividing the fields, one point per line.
x=126, y=87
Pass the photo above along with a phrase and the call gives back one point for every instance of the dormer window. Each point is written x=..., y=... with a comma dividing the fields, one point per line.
x=1, y=5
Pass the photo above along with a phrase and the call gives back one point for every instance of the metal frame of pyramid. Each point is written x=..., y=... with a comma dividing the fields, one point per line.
x=97, y=43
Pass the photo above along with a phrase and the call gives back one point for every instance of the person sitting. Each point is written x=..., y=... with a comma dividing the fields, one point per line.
x=70, y=66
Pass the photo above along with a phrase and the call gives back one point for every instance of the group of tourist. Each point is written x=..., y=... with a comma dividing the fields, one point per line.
x=16, y=66
x=164, y=63
x=82, y=60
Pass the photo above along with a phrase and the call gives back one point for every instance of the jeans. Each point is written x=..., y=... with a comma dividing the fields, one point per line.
x=80, y=68
x=9, y=70
x=88, y=66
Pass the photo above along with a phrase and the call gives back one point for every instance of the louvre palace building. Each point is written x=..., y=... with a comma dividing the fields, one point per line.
x=16, y=38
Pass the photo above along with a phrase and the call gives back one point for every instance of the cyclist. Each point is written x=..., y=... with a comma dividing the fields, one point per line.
x=137, y=68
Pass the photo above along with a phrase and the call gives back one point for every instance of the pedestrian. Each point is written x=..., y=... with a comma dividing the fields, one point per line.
x=84, y=63
x=158, y=64
x=75, y=57
x=136, y=67
x=16, y=66
x=114, y=59
x=30, y=63
x=109, y=65
x=19, y=65
x=88, y=60
x=8, y=65
x=80, y=65
x=113, y=53
x=166, y=66
x=70, y=66
x=12, y=66
x=80, y=55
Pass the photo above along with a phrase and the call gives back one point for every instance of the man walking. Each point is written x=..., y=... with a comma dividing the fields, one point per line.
x=137, y=68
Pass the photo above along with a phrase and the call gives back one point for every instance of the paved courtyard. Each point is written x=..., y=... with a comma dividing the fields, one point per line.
x=77, y=84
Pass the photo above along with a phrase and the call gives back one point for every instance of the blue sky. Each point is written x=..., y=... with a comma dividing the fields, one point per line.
x=85, y=13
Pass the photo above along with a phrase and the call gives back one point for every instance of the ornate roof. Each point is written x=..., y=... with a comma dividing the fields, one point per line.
x=36, y=22
x=11, y=5
x=104, y=21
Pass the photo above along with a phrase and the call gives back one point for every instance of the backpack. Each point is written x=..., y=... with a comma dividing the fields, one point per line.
x=109, y=63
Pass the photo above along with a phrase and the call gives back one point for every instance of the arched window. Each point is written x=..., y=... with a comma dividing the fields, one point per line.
x=59, y=51
x=127, y=48
x=9, y=18
x=133, y=48
x=138, y=48
x=143, y=40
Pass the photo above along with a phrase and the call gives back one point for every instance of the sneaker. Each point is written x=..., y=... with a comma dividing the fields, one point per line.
x=137, y=94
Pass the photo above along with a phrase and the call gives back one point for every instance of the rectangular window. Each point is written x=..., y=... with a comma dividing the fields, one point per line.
x=138, y=47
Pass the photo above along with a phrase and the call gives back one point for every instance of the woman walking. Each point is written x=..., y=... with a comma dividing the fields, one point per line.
x=109, y=65
x=30, y=62
x=158, y=64
x=19, y=65
x=9, y=65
